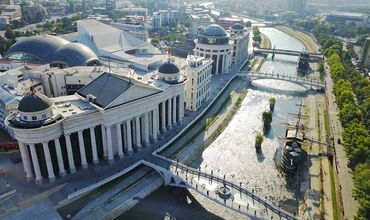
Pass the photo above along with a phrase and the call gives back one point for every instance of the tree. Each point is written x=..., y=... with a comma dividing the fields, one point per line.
x=267, y=119
x=248, y=24
x=361, y=190
x=349, y=113
x=321, y=69
x=272, y=102
x=259, y=140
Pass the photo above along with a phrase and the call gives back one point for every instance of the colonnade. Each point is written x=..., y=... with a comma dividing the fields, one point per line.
x=117, y=141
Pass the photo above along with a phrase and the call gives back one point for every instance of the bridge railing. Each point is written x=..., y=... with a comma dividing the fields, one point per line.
x=285, y=77
x=282, y=213
x=167, y=163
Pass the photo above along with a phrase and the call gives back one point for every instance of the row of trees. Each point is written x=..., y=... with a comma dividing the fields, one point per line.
x=352, y=91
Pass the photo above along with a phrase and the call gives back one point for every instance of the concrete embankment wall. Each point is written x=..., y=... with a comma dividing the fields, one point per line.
x=134, y=200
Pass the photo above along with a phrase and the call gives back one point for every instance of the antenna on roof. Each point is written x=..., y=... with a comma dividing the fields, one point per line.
x=169, y=55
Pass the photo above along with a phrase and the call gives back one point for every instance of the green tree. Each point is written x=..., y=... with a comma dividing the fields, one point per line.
x=361, y=190
x=266, y=119
x=349, y=113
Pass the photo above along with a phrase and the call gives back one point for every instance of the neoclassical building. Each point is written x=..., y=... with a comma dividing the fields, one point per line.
x=213, y=43
x=109, y=118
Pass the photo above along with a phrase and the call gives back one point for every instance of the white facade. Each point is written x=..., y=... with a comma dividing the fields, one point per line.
x=198, y=85
x=114, y=45
x=97, y=124
x=240, y=41
x=213, y=43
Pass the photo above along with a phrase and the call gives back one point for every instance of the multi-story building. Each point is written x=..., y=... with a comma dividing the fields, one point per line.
x=9, y=13
x=156, y=20
x=168, y=17
x=108, y=119
x=110, y=5
x=199, y=22
x=239, y=36
x=298, y=6
x=213, y=43
x=198, y=85
x=132, y=11
x=227, y=22
x=134, y=25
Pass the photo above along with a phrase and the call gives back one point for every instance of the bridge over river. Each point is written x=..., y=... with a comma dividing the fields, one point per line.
x=218, y=189
x=312, y=56
x=283, y=77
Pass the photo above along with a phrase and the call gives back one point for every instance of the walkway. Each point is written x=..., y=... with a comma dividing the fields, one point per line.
x=282, y=77
x=344, y=173
x=217, y=189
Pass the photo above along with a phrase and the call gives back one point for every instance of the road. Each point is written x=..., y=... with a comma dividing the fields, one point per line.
x=344, y=173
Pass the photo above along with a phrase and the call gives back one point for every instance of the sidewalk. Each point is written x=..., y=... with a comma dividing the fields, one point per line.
x=344, y=173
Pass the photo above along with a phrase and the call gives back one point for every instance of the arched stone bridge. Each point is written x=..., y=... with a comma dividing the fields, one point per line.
x=293, y=79
x=217, y=189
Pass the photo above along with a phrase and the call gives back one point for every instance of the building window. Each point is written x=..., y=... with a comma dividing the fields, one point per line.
x=34, y=118
x=192, y=81
x=43, y=116
x=25, y=117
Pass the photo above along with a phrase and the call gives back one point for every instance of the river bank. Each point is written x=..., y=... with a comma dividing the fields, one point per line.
x=321, y=186
x=307, y=40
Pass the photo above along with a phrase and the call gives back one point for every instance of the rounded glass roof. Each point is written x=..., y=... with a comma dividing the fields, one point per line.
x=54, y=50
x=214, y=30
x=168, y=68
x=34, y=102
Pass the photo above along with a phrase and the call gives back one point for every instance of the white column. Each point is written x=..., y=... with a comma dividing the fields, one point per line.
x=26, y=161
x=138, y=138
x=119, y=141
x=49, y=164
x=169, y=113
x=128, y=137
x=109, y=144
x=58, y=150
x=82, y=149
x=36, y=165
x=223, y=63
x=217, y=61
x=155, y=125
x=71, y=162
x=181, y=108
x=93, y=146
x=146, y=129
x=104, y=140
x=163, y=109
x=174, y=110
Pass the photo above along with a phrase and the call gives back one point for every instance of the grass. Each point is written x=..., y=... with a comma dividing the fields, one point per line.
x=326, y=123
x=333, y=193
x=215, y=116
x=266, y=43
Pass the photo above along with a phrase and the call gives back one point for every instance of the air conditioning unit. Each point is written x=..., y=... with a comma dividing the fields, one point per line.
x=91, y=98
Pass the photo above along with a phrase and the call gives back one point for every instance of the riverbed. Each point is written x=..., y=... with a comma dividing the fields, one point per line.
x=233, y=153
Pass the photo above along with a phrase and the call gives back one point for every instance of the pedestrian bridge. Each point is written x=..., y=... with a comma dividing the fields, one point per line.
x=312, y=56
x=217, y=189
x=293, y=79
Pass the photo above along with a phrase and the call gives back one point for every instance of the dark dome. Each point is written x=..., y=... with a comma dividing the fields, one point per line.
x=75, y=53
x=214, y=30
x=168, y=68
x=54, y=50
x=34, y=102
x=237, y=26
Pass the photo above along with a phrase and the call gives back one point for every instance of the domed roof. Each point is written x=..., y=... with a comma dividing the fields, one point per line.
x=53, y=49
x=34, y=102
x=237, y=26
x=214, y=30
x=75, y=53
x=168, y=68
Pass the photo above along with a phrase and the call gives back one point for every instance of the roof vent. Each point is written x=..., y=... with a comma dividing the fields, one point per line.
x=91, y=98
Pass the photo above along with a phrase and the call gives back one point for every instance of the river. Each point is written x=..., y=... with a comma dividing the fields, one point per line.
x=233, y=152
